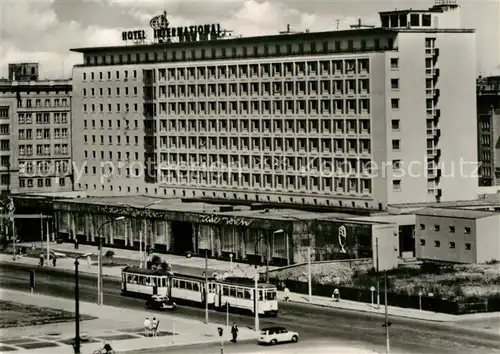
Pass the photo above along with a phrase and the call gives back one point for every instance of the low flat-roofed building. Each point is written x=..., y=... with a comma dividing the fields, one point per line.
x=457, y=235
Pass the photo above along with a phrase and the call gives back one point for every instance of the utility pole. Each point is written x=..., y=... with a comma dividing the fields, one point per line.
x=377, y=270
x=206, y=286
x=309, y=274
x=387, y=323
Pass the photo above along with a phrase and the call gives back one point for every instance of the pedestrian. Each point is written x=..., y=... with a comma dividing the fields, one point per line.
x=89, y=261
x=154, y=326
x=287, y=294
x=147, y=326
x=336, y=295
x=54, y=260
x=41, y=259
x=234, y=332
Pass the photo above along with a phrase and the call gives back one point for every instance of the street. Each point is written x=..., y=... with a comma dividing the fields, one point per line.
x=315, y=324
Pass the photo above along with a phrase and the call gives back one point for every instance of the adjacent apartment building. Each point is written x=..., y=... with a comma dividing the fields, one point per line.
x=457, y=235
x=488, y=129
x=360, y=118
x=35, y=132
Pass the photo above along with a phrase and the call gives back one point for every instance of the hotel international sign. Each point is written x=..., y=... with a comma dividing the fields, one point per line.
x=163, y=33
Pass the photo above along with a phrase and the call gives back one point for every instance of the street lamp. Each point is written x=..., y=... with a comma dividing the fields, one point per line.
x=256, y=287
x=77, y=305
x=141, y=255
x=100, y=295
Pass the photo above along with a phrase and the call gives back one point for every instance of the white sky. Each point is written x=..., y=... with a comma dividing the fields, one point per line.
x=45, y=30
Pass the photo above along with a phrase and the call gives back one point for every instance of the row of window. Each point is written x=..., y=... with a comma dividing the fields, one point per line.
x=52, y=167
x=118, y=106
x=301, y=48
x=292, y=183
x=265, y=125
x=41, y=182
x=87, y=139
x=262, y=70
x=118, y=124
x=452, y=244
x=451, y=228
x=43, y=150
x=292, y=145
x=110, y=155
x=116, y=76
x=327, y=107
x=28, y=103
x=109, y=91
x=43, y=118
x=58, y=133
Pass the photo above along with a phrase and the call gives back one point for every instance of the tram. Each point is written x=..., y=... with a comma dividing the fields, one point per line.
x=237, y=294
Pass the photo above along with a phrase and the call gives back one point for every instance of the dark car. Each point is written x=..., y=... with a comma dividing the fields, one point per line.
x=160, y=303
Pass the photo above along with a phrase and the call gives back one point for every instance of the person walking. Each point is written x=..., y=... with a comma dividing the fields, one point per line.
x=154, y=326
x=287, y=294
x=54, y=260
x=41, y=259
x=147, y=327
x=234, y=332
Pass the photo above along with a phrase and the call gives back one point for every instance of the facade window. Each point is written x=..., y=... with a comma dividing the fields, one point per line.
x=426, y=20
x=422, y=226
x=468, y=247
x=394, y=63
x=452, y=244
x=395, y=124
x=396, y=185
x=395, y=103
x=437, y=243
x=467, y=230
x=422, y=242
x=437, y=227
x=395, y=84
x=415, y=19
x=396, y=145
x=452, y=229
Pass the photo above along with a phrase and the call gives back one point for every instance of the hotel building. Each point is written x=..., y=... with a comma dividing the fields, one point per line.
x=360, y=118
x=488, y=120
x=35, y=132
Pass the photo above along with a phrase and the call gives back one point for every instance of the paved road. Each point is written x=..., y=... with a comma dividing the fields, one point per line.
x=313, y=323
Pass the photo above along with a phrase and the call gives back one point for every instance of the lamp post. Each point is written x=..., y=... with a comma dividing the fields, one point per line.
x=100, y=295
x=256, y=287
x=77, y=305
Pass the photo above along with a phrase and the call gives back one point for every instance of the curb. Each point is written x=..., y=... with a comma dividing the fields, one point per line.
x=190, y=344
x=371, y=312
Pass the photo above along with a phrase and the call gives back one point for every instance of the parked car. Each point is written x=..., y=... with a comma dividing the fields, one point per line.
x=160, y=303
x=275, y=335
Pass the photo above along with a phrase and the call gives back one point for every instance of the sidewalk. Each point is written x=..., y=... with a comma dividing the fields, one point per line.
x=122, y=328
x=235, y=268
x=67, y=263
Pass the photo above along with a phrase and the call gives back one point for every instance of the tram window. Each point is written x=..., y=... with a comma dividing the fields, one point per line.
x=248, y=294
x=270, y=295
x=136, y=279
x=182, y=284
x=189, y=285
x=129, y=278
x=176, y=283
x=147, y=280
x=239, y=293
x=260, y=295
x=225, y=291
x=232, y=292
x=196, y=287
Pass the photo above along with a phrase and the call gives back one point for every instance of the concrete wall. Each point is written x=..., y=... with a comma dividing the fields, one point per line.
x=388, y=246
x=425, y=230
x=488, y=239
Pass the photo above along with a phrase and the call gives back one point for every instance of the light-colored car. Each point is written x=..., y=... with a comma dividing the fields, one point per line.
x=275, y=335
